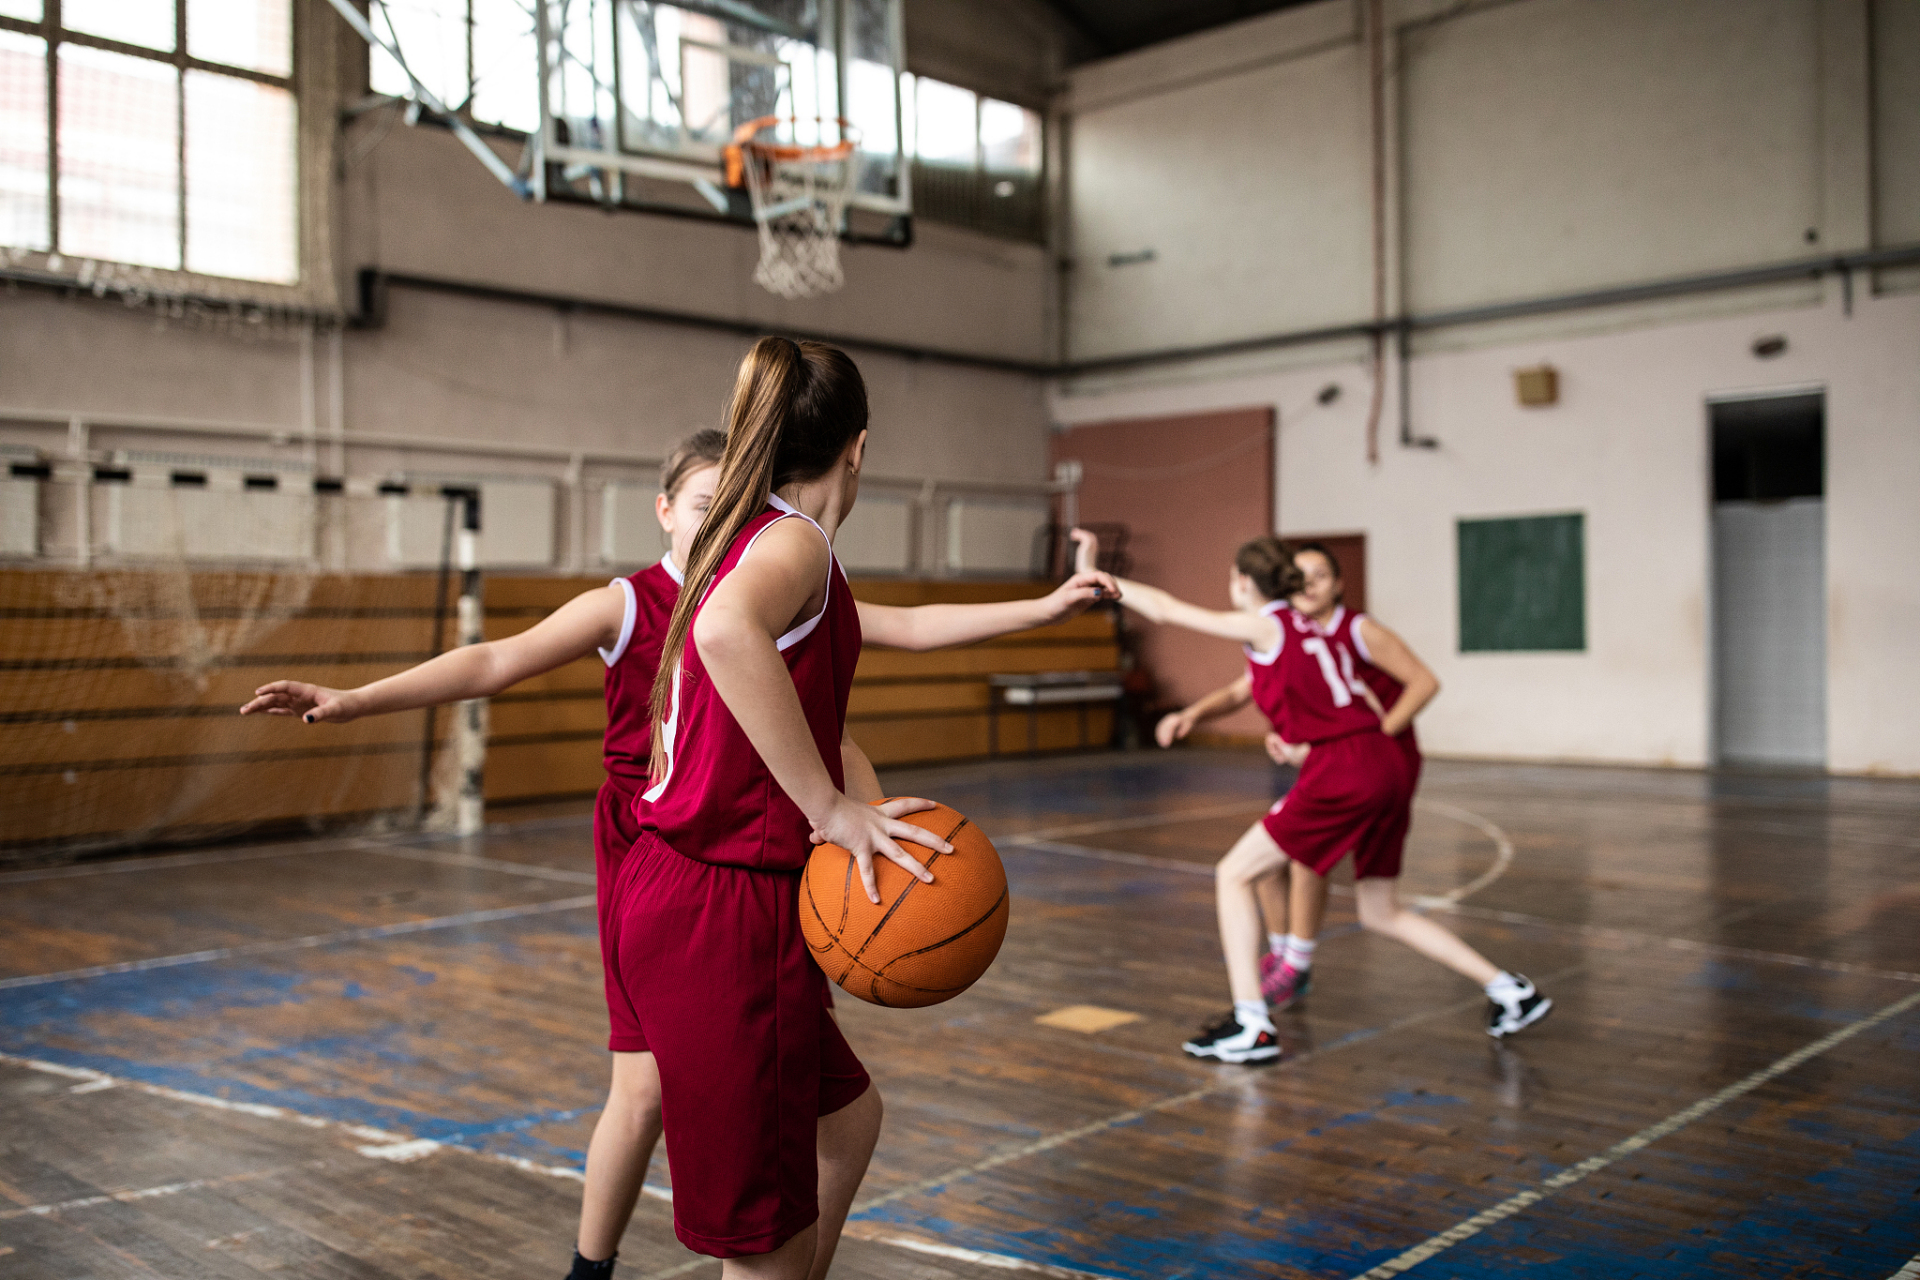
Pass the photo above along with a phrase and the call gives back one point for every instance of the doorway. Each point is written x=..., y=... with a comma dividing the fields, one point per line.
x=1769, y=581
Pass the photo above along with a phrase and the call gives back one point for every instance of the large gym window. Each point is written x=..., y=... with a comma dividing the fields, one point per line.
x=167, y=140
x=977, y=161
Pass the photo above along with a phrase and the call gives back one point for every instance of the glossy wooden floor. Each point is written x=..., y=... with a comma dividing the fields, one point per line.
x=382, y=1057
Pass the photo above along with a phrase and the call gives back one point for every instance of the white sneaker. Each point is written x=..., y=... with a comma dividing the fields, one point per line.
x=1229, y=1041
x=1516, y=1009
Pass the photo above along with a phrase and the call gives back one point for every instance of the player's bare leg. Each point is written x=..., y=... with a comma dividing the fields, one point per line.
x=1381, y=912
x=847, y=1139
x=1253, y=856
x=618, y=1154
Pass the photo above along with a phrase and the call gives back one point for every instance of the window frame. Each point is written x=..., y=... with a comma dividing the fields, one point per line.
x=50, y=30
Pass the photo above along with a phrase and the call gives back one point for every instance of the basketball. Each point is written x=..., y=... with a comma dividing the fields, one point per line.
x=922, y=943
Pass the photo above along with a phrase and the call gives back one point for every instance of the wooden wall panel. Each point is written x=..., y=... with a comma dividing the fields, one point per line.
x=118, y=693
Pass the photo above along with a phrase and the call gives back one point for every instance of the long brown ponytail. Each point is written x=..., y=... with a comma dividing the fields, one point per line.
x=795, y=407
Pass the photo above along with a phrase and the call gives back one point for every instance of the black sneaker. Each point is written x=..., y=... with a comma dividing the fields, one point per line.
x=1228, y=1041
x=1517, y=1010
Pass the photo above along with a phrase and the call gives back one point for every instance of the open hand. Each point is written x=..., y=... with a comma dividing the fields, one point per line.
x=1072, y=597
x=1174, y=726
x=311, y=702
x=866, y=830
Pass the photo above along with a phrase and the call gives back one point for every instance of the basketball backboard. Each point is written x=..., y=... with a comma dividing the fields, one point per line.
x=612, y=90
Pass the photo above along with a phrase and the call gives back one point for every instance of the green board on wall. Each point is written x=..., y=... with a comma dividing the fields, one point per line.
x=1523, y=584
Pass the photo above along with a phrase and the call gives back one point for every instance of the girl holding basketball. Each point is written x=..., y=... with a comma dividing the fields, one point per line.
x=1354, y=791
x=770, y=1118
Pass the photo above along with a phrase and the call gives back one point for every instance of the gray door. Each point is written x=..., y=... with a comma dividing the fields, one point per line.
x=1770, y=582
x=1770, y=631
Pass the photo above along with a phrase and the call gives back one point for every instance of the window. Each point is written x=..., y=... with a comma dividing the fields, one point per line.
x=169, y=141
x=976, y=160
x=477, y=54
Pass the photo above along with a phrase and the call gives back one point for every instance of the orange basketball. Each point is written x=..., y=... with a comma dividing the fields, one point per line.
x=923, y=943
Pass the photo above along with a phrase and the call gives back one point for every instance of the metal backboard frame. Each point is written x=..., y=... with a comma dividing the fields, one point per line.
x=619, y=79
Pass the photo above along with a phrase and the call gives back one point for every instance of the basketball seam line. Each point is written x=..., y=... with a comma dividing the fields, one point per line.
x=899, y=901
x=882, y=973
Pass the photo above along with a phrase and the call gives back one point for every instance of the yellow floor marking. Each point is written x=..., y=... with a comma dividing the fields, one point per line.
x=1086, y=1017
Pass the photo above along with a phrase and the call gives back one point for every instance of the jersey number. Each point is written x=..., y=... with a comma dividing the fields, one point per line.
x=1342, y=695
x=1342, y=690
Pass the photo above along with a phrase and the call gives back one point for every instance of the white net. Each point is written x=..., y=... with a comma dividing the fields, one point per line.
x=799, y=196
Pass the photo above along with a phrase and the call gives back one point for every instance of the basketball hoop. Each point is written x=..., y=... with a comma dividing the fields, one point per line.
x=798, y=195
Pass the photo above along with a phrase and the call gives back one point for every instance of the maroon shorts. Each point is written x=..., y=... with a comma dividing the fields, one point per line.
x=1355, y=795
x=708, y=963
x=614, y=831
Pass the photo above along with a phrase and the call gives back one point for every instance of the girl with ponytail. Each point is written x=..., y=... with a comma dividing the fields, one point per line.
x=769, y=1117
x=1317, y=671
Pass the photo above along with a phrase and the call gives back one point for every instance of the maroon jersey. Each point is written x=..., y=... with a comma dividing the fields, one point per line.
x=1307, y=684
x=718, y=801
x=1345, y=627
x=631, y=665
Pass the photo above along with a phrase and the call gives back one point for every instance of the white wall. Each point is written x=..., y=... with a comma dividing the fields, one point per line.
x=1628, y=446
x=1535, y=147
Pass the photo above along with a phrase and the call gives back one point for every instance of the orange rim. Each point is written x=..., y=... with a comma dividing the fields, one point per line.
x=743, y=142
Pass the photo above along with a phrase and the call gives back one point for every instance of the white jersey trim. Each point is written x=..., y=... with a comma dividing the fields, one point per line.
x=627, y=619
x=674, y=571
x=1267, y=657
x=1360, y=641
x=669, y=735
x=805, y=629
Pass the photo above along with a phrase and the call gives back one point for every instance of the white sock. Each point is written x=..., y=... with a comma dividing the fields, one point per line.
x=1505, y=984
x=1252, y=1013
x=1277, y=943
x=1299, y=952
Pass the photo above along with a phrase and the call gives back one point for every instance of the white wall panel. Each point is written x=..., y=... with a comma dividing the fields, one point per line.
x=516, y=527
x=877, y=536
x=152, y=519
x=1557, y=145
x=19, y=517
x=987, y=535
x=630, y=532
x=1251, y=192
x=1896, y=119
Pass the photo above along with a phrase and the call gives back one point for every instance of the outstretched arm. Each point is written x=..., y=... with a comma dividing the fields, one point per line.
x=936, y=626
x=1391, y=654
x=574, y=630
x=1229, y=698
x=1156, y=605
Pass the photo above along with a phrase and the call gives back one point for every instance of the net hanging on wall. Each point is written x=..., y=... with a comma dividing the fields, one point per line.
x=799, y=196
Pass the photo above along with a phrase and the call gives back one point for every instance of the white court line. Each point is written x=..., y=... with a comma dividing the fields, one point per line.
x=151, y=1193
x=1908, y=1272
x=1146, y=820
x=300, y=944
x=998, y=1261
x=1502, y=847
x=166, y=862
x=530, y=870
x=1620, y=1150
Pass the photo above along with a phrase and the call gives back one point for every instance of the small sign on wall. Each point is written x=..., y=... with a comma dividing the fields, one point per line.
x=1523, y=584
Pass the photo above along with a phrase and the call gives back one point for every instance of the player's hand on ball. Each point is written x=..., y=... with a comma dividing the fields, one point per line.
x=311, y=702
x=867, y=830
x=1173, y=726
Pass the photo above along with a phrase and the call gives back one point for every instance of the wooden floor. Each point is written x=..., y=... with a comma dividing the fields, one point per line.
x=382, y=1057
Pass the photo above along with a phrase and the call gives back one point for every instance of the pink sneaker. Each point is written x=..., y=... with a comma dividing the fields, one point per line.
x=1282, y=984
